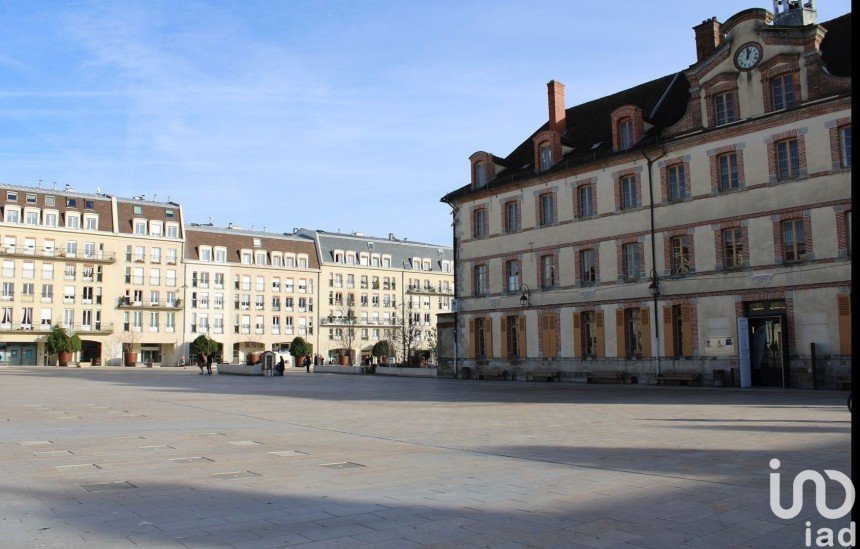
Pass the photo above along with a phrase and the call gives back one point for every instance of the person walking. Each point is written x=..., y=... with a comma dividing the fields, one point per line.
x=209, y=365
x=201, y=361
x=281, y=366
x=308, y=364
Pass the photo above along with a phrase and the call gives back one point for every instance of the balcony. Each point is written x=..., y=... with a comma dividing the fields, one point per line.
x=126, y=303
x=429, y=290
x=97, y=329
x=93, y=257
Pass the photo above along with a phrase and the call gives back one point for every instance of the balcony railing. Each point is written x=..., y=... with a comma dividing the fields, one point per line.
x=96, y=257
x=126, y=303
x=18, y=327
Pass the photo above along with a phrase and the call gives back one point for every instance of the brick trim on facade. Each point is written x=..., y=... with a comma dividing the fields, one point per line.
x=632, y=112
x=664, y=166
x=720, y=260
x=617, y=176
x=667, y=250
x=519, y=217
x=834, y=127
x=714, y=158
x=619, y=251
x=772, y=160
x=576, y=186
x=726, y=82
x=778, y=240
x=546, y=136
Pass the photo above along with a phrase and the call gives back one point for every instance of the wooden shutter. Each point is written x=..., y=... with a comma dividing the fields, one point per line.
x=687, y=329
x=646, y=332
x=548, y=336
x=668, y=333
x=504, y=335
x=601, y=346
x=472, y=337
x=552, y=335
x=843, y=302
x=488, y=338
x=620, y=340
x=577, y=335
x=521, y=334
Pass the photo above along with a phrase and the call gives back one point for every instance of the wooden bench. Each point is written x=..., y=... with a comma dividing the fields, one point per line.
x=843, y=383
x=490, y=374
x=546, y=375
x=604, y=377
x=683, y=378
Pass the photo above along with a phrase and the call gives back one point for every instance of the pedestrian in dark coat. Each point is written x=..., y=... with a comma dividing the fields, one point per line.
x=308, y=364
x=209, y=365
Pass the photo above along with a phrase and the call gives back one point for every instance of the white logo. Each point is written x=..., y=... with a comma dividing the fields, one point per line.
x=825, y=537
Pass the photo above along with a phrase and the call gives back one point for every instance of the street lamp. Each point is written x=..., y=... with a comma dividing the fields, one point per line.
x=525, y=296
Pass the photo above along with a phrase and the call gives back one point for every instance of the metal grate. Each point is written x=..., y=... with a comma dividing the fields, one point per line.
x=197, y=459
x=288, y=453
x=76, y=468
x=343, y=465
x=235, y=475
x=108, y=486
x=244, y=443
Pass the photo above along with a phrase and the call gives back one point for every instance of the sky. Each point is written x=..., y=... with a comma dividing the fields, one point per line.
x=333, y=115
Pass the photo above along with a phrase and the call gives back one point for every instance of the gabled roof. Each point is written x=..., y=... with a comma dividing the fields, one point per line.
x=401, y=251
x=663, y=102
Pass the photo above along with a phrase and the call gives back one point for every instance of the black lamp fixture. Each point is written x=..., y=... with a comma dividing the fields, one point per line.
x=525, y=296
x=653, y=289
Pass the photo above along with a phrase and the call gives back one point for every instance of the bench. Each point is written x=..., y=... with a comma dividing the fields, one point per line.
x=843, y=383
x=683, y=378
x=604, y=377
x=546, y=375
x=490, y=374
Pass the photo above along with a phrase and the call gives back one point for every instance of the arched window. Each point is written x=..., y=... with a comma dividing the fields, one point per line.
x=545, y=156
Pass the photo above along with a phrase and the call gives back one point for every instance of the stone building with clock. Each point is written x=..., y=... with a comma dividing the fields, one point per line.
x=699, y=223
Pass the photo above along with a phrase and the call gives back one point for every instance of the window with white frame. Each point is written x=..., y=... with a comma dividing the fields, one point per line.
x=139, y=227
x=156, y=228
x=172, y=230
x=220, y=255
x=91, y=222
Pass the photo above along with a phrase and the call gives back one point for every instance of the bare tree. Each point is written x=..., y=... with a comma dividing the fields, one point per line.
x=405, y=333
x=433, y=344
x=347, y=334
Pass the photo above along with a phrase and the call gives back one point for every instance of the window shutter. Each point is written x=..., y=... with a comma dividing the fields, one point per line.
x=668, y=333
x=472, y=337
x=844, y=306
x=488, y=338
x=577, y=335
x=620, y=340
x=687, y=329
x=521, y=334
x=646, y=333
x=504, y=336
x=553, y=340
x=598, y=321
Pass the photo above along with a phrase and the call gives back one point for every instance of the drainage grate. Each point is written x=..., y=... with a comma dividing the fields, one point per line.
x=343, y=465
x=234, y=475
x=53, y=453
x=34, y=442
x=190, y=460
x=75, y=468
x=210, y=434
x=244, y=443
x=157, y=447
x=108, y=486
x=68, y=417
x=288, y=453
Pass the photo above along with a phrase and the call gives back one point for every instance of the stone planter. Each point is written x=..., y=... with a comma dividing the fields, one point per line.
x=64, y=358
x=129, y=359
x=343, y=360
x=254, y=358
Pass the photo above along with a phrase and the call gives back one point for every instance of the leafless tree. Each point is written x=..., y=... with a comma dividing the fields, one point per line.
x=405, y=333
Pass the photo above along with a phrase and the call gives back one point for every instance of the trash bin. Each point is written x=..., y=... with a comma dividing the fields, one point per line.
x=719, y=377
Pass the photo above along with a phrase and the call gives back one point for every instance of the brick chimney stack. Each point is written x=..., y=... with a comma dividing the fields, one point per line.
x=709, y=37
x=557, y=116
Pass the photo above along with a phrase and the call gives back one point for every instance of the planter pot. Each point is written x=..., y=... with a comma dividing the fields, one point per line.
x=64, y=358
x=254, y=358
x=343, y=360
x=129, y=359
x=297, y=361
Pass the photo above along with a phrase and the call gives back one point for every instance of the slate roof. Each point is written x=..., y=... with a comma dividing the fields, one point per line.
x=401, y=251
x=663, y=102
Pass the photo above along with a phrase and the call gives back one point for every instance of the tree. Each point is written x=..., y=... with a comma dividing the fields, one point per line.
x=347, y=334
x=381, y=349
x=300, y=347
x=405, y=333
x=58, y=341
x=203, y=344
x=433, y=344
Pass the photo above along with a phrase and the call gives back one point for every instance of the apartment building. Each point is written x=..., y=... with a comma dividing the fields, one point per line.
x=250, y=291
x=368, y=286
x=684, y=224
x=101, y=266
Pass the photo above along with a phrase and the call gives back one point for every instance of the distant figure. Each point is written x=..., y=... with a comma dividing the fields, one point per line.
x=209, y=365
x=281, y=366
x=308, y=364
x=201, y=361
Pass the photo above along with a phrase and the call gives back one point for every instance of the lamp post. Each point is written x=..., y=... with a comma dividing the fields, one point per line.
x=654, y=290
x=525, y=296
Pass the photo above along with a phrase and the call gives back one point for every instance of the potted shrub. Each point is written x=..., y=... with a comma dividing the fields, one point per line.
x=129, y=355
x=299, y=349
x=381, y=350
x=203, y=345
x=75, y=345
x=59, y=343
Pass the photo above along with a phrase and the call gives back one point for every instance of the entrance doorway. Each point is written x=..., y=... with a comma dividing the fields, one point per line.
x=150, y=354
x=91, y=351
x=18, y=354
x=768, y=343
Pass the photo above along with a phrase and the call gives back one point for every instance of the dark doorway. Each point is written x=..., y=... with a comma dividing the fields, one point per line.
x=91, y=351
x=768, y=343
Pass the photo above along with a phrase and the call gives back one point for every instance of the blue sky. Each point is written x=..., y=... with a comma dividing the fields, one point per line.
x=350, y=116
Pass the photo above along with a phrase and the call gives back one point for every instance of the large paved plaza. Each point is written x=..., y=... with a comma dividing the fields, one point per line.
x=124, y=457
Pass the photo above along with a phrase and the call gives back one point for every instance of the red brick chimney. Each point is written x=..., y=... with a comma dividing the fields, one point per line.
x=709, y=36
x=557, y=117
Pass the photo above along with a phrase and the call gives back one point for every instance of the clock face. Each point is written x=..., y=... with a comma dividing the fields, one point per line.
x=748, y=56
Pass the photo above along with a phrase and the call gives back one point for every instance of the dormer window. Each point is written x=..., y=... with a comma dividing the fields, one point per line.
x=138, y=210
x=625, y=133
x=205, y=253
x=71, y=203
x=260, y=258
x=73, y=220
x=172, y=230
x=545, y=156
x=139, y=227
x=480, y=174
x=257, y=243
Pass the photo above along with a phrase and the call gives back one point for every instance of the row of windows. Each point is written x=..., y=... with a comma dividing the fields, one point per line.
x=50, y=218
x=88, y=273
x=384, y=260
x=374, y=334
x=202, y=279
x=88, y=294
x=50, y=200
x=88, y=250
x=137, y=254
x=159, y=229
x=199, y=323
x=795, y=244
x=137, y=276
x=133, y=321
x=255, y=257
x=728, y=174
x=200, y=300
x=87, y=320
